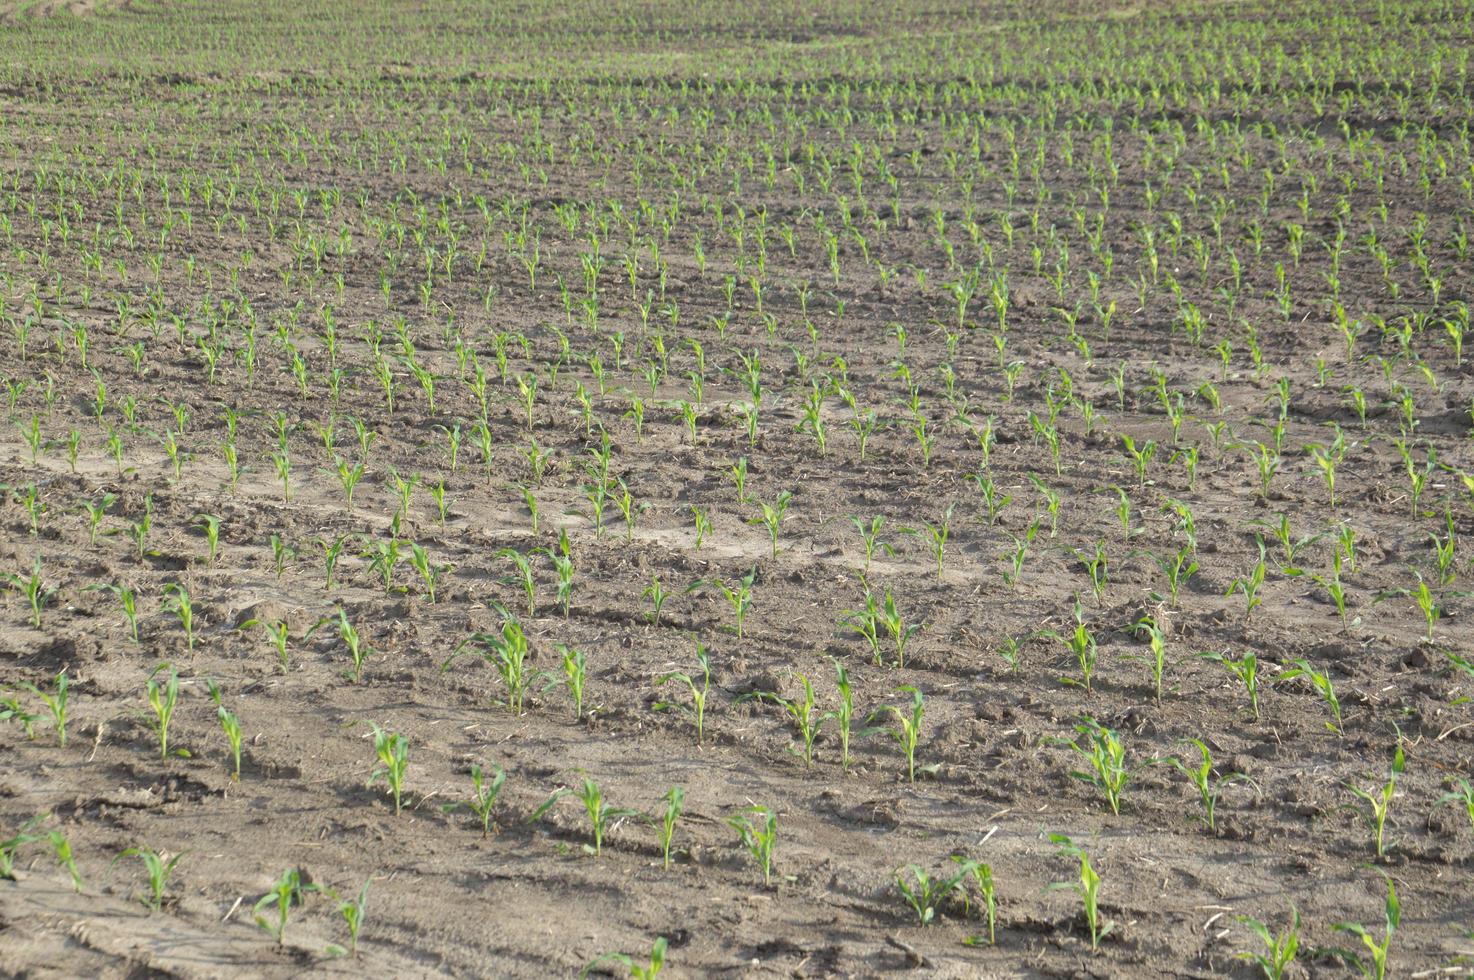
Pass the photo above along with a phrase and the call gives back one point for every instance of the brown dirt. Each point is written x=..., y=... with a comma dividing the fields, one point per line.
x=528, y=900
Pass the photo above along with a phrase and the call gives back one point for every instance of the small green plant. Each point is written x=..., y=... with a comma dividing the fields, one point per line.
x=1105, y=754
x=1088, y=888
x=230, y=725
x=1246, y=669
x=278, y=634
x=657, y=595
x=804, y=712
x=1462, y=794
x=34, y=589
x=163, y=697
x=1250, y=585
x=393, y=754
x=697, y=709
x=482, y=801
x=924, y=893
x=738, y=595
x=772, y=517
x=56, y=702
x=1379, y=802
x=286, y=892
x=508, y=652
x=907, y=730
x=602, y=816
x=900, y=631
x=1374, y=967
x=757, y=826
x=1279, y=950
x=353, y=912
x=648, y=970
x=210, y=525
x=11, y=846
x=177, y=601
x=675, y=800
x=158, y=866
x=575, y=677
x=1321, y=683
x=1209, y=787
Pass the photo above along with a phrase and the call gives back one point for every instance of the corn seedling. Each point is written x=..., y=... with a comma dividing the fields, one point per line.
x=1374, y=966
x=177, y=601
x=286, y=892
x=900, y=632
x=524, y=576
x=575, y=677
x=482, y=801
x=702, y=521
x=430, y=572
x=56, y=702
x=163, y=697
x=675, y=799
x=870, y=534
x=697, y=708
x=1157, y=641
x=924, y=893
x=983, y=875
x=158, y=866
x=738, y=595
x=804, y=712
x=648, y=970
x=772, y=517
x=657, y=595
x=210, y=525
x=1105, y=754
x=351, y=637
x=1209, y=787
x=602, y=816
x=907, y=730
x=1087, y=888
x=230, y=725
x=1379, y=802
x=10, y=847
x=34, y=589
x=1250, y=586
x=508, y=652
x=1279, y=949
x=1082, y=645
x=129, y=602
x=757, y=826
x=353, y=912
x=1246, y=669
x=393, y=754
x=1321, y=683
x=278, y=634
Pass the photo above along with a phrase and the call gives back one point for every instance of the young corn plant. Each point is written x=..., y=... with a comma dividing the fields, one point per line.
x=907, y=730
x=34, y=589
x=738, y=595
x=771, y=518
x=1087, y=888
x=697, y=708
x=936, y=537
x=926, y=894
x=163, y=697
x=870, y=534
x=575, y=677
x=1374, y=965
x=278, y=634
x=482, y=801
x=1083, y=647
x=1250, y=586
x=508, y=652
x=757, y=826
x=159, y=866
x=1210, y=787
x=647, y=970
x=177, y=601
x=230, y=725
x=1379, y=803
x=1279, y=949
x=1462, y=794
x=804, y=711
x=602, y=816
x=675, y=800
x=351, y=637
x=56, y=702
x=1321, y=683
x=287, y=891
x=899, y=630
x=353, y=912
x=1105, y=754
x=1246, y=669
x=392, y=751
